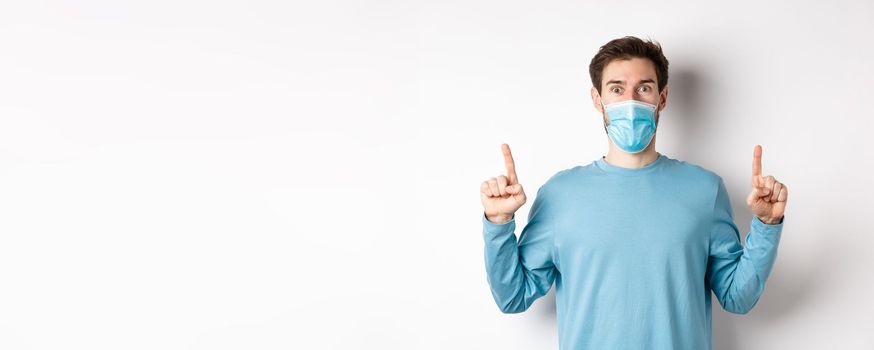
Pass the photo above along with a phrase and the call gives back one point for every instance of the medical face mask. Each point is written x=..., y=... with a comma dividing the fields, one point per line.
x=632, y=124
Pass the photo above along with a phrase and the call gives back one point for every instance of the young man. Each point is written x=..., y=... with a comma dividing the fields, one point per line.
x=635, y=241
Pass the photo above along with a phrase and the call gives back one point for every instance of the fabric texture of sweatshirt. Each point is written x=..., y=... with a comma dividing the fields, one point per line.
x=634, y=254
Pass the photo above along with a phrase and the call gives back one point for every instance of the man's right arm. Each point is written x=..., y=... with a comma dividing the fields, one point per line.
x=520, y=272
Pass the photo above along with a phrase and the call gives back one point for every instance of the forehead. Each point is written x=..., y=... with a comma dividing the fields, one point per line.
x=630, y=71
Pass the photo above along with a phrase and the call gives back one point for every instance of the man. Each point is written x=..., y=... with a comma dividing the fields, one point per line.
x=635, y=241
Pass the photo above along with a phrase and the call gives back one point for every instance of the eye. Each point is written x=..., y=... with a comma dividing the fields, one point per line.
x=616, y=90
x=644, y=88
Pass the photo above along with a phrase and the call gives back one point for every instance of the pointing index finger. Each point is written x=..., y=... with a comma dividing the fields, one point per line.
x=511, y=165
x=757, y=162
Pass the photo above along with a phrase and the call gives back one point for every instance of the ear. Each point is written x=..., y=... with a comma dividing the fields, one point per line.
x=664, y=98
x=596, y=100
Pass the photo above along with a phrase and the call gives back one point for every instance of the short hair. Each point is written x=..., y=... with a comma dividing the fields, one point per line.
x=626, y=48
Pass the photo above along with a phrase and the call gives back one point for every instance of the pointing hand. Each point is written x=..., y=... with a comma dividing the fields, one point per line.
x=768, y=196
x=502, y=195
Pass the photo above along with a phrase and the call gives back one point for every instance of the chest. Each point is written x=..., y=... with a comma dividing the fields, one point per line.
x=640, y=226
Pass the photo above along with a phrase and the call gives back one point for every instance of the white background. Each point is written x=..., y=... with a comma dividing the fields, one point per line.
x=305, y=175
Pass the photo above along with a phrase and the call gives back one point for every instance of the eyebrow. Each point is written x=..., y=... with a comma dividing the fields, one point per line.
x=622, y=82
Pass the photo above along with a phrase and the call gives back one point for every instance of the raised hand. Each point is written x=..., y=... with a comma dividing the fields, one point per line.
x=768, y=197
x=502, y=195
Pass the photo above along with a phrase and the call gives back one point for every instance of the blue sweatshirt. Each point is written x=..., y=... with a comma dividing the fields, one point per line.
x=634, y=254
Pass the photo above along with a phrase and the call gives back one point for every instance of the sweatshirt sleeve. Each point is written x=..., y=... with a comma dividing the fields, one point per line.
x=520, y=272
x=737, y=274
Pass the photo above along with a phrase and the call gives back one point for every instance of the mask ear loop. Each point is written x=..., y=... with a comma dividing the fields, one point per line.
x=656, y=113
x=604, y=114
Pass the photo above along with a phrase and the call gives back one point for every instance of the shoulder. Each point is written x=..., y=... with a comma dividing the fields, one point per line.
x=563, y=178
x=689, y=172
x=701, y=182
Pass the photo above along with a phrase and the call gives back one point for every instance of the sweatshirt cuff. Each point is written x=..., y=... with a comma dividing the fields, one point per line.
x=760, y=226
x=493, y=229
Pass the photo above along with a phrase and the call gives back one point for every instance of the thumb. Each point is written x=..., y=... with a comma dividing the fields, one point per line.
x=757, y=193
x=514, y=189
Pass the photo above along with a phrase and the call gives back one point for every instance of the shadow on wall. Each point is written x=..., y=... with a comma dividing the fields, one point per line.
x=788, y=286
x=548, y=314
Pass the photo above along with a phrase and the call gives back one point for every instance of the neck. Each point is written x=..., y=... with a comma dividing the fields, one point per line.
x=617, y=157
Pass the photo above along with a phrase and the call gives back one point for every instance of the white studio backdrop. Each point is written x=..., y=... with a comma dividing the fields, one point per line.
x=305, y=175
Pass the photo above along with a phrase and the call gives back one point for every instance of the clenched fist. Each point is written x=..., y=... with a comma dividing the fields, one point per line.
x=502, y=195
x=768, y=197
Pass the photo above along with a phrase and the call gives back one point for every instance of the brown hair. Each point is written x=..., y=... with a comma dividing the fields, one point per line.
x=626, y=48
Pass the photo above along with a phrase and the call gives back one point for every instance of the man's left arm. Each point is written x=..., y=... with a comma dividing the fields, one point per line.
x=738, y=274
